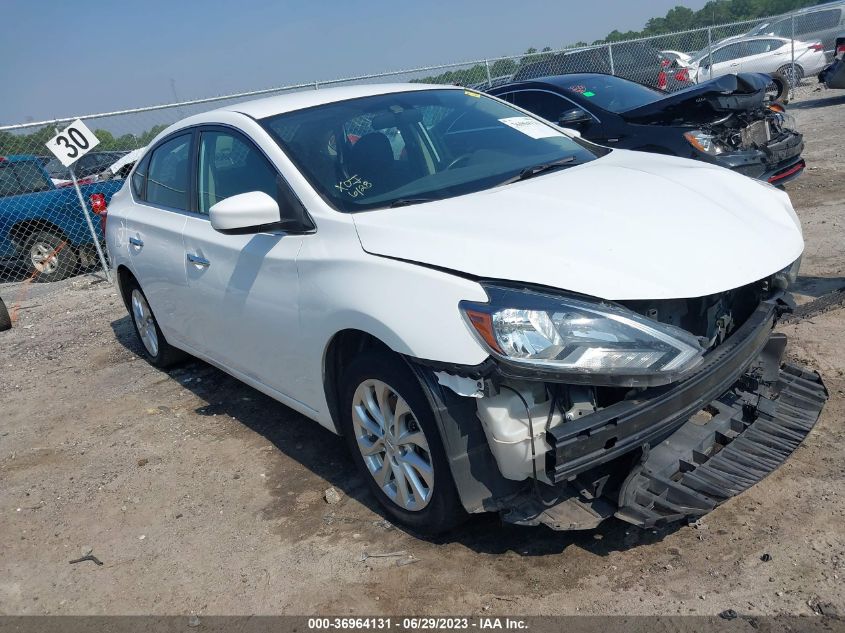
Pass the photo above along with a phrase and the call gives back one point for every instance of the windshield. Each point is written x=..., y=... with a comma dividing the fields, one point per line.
x=610, y=93
x=411, y=147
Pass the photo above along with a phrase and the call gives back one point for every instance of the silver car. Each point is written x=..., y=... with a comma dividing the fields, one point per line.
x=759, y=54
x=822, y=23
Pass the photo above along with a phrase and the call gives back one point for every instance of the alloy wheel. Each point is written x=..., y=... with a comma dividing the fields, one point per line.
x=393, y=445
x=145, y=322
x=44, y=257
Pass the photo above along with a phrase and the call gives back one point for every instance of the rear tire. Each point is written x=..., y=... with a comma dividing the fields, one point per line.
x=50, y=257
x=786, y=71
x=157, y=350
x=403, y=460
x=5, y=319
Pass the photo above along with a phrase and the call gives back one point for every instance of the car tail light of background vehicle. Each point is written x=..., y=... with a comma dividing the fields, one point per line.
x=682, y=74
x=661, y=80
x=817, y=46
x=99, y=206
x=840, y=51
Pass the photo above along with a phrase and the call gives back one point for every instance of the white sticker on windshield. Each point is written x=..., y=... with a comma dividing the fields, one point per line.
x=530, y=127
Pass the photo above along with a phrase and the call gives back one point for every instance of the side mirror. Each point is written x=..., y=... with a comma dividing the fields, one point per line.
x=244, y=213
x=573, y=118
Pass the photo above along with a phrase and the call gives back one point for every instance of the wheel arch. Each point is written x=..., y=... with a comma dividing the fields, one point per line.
x=340, y=350
x=22, y=230
x=124, y=276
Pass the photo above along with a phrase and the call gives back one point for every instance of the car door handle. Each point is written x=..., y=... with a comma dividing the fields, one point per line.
x=136, y=241
x=198, y=261
x=734, y=65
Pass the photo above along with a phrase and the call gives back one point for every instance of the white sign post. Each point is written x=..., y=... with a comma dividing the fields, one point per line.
x=68, y=146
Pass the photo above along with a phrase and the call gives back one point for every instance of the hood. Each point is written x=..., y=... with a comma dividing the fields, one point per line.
x=627, y=226
x=728, y=93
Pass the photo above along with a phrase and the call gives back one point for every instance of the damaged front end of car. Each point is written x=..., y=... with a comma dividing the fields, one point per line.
x=833, y=75
x=653, y=411
x=732, y=124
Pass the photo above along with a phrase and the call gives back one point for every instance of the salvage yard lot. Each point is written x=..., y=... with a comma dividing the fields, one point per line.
x=201, y=495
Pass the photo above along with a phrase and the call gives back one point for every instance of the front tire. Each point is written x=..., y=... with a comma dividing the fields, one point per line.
x=393, y=437
x=50, y=257
x=156, y=348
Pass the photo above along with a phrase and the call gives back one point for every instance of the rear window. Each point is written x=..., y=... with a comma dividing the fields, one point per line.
x=610, y=93
x=21, y=177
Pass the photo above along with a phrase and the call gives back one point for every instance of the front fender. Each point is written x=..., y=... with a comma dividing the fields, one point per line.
x=410, y=308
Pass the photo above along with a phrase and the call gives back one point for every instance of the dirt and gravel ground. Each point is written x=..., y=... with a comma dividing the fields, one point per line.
x=201, y=495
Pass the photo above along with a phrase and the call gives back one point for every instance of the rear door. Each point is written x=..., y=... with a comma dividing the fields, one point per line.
x=765, y=56
x=242, y=290
x=727, y=60
x=160, y=189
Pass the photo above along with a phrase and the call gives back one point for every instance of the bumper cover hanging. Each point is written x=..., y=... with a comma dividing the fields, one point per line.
x=753, y=429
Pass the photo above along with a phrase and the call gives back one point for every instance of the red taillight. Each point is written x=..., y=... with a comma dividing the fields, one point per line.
x=816, y=47
x=840, y=50
x=661, y=80
x=682, y=74
x=665, y=63
x=99, y=206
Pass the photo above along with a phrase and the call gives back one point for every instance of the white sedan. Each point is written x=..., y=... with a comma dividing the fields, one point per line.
x=757, y=55
x=494, y=313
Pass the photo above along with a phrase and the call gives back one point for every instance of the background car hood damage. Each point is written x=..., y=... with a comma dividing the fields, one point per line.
x=709, y=99
x=627, y=226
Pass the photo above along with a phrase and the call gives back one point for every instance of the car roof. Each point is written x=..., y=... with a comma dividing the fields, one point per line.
x=819, y=7
x=270, y=106
x=558, y=81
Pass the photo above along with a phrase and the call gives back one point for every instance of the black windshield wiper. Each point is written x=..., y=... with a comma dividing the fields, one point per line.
x=405, y=202
x=542, y=168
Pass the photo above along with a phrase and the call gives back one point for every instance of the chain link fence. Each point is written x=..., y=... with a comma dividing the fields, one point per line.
x=45, y=236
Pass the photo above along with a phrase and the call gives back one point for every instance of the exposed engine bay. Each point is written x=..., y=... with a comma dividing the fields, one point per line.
x=516, y=414
x=571, y=455
x=768, y=130
x=748, y=133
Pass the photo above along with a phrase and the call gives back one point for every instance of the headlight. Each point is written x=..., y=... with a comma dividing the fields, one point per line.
x=704, y=142
x=783, y=279
x=593, y=342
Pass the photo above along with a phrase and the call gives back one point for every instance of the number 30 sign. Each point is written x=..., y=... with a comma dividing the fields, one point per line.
x=72, y=143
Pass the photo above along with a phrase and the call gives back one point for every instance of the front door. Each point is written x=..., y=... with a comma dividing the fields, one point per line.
x=243, y=289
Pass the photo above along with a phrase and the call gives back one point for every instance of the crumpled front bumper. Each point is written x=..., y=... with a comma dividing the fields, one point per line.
x=676, y=452
x=833, y=75
x=755, y=427
x=777, y=162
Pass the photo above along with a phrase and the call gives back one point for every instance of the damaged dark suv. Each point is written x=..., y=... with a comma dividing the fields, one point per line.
x=725, y=121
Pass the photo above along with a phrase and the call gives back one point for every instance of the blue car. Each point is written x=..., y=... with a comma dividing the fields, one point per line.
x=42, y=226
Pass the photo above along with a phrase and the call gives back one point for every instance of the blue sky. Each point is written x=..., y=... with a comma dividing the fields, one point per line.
x=65, y=58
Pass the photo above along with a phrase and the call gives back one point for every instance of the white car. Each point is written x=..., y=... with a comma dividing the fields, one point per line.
x=677, y=56
x=495, y=314
x=122, y=167
x=757, y=55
